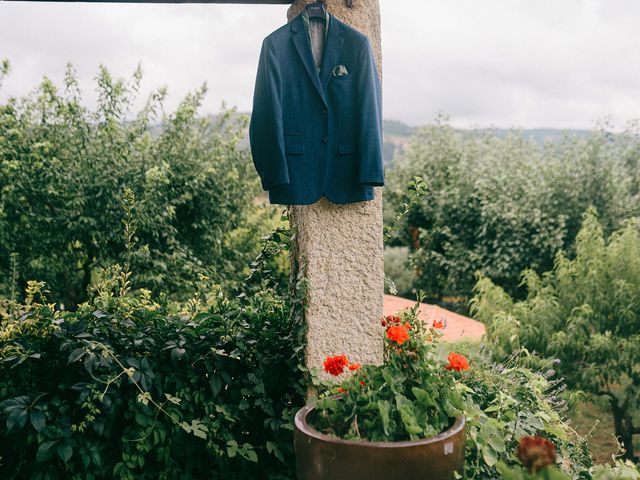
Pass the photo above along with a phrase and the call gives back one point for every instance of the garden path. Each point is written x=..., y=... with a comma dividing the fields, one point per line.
x=458, y=327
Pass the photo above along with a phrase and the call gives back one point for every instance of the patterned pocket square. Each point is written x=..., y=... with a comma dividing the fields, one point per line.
x=340, y=70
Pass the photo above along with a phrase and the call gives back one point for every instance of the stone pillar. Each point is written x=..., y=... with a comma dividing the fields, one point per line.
x=339, y=248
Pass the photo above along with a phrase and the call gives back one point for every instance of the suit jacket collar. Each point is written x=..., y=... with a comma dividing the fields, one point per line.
x=332, y=48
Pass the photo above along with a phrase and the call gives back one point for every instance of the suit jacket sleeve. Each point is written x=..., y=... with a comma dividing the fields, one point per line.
x=265, y=127
x=370, y=115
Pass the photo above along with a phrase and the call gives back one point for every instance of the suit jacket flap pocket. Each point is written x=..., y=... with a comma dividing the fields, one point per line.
x=294, y=149
x=345, y=148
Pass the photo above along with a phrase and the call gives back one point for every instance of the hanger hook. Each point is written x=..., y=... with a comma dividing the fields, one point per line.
x=348, y=2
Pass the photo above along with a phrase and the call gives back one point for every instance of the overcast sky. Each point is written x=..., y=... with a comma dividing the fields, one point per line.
x=504, y=63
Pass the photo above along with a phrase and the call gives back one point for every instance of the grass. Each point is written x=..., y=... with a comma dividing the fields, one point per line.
x=594, y=421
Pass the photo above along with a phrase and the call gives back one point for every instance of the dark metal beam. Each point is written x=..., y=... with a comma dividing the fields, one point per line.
x=266, y=2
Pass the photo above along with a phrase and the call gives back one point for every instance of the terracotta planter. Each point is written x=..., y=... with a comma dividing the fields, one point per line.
x=321, y=457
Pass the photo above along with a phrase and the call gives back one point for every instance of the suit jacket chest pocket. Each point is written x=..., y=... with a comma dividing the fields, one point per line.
x=342, y=91
x=291, y=106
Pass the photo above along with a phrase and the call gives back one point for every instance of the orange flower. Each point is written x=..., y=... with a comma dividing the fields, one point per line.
x=407, y=325
x=438, y=324
x=457, y=362
x=354, y=366
x=342, y=390
x=397, y=334
x=335, y=365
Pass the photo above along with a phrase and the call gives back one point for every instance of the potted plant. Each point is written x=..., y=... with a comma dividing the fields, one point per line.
x=401, y=419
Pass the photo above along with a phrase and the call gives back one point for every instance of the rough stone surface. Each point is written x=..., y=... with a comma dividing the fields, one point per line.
x=340, y=247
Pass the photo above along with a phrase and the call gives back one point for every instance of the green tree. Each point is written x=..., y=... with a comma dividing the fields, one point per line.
x=585, y=312
x=501, y=203
x=63, y=169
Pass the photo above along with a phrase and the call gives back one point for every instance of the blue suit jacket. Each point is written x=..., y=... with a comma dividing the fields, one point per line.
x=314, y=135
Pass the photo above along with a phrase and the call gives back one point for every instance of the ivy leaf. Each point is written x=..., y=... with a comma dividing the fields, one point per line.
x=45, y=451
x=200, y=430
x=37, y=420
x=216, y=385
x=177, y=353
x=77, y=354
x=250, y=455
x=172, y=399
x=17, y=417
x=273, y=449
x=65, y=451
x=232, y=448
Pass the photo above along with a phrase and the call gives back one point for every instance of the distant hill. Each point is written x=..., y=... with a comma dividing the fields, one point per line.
x=397, y=134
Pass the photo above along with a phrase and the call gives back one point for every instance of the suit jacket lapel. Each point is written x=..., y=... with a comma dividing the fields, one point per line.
x=301, y=41
x=332, y=48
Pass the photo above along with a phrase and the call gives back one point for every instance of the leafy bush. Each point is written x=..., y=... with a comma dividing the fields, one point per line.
x=585, y=312
x=500, y=204
x=509, y=400
x=63, y=169
x=134, y=386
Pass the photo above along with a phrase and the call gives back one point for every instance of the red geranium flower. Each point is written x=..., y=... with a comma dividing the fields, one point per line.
x=457, y=362
x=536, y=453
x=407, y=325
x=438, y=324
x=335, y=365
x=397, y=334
x=362, y=382
x=354, y=366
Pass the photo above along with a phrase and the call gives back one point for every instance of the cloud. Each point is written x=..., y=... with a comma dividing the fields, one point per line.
x=549, y=63
x=530, y=64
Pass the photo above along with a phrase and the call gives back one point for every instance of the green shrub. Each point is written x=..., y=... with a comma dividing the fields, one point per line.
x=586, y=313
x=500, y=204
x=508, y=400
x=63, y=169
x=134, y=386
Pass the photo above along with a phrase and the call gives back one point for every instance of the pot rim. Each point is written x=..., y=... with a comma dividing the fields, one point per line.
x=302, y=425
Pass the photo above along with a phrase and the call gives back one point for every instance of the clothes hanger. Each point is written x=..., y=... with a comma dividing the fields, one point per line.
x=316, y=10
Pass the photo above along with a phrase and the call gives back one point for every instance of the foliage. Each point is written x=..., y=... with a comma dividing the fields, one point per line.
x=515, y=473
x=538, y=457
x=501, y=203
x=585, y=312
x=618, y=471
x=415, y=191
x=397, y=269
x=412, y=395
x=63, y=169
x=136, y=386
x=509, y=400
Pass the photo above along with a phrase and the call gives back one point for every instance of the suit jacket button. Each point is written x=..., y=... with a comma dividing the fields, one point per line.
x=325, y=140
